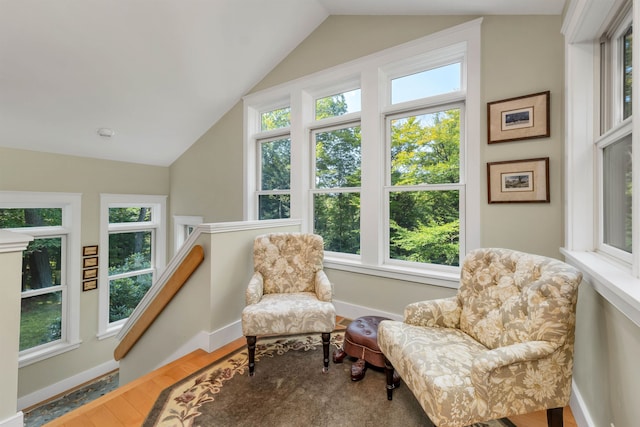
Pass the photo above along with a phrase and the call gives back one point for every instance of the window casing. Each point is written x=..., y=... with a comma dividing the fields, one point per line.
x=358, y=233
x=49, y=322
x=132, y=254
x=614, y=144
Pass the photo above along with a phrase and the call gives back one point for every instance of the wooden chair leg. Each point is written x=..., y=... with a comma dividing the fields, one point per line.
x=389, y=370
x=326, y=339
x=251, y=347
x=554, y=417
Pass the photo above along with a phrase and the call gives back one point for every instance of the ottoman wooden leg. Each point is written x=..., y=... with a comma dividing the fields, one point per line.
x=326, y=338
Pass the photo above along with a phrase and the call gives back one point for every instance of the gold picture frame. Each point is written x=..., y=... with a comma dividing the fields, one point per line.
x=89, y=285
x=89, y=273
x=90, y=262
x=523, y=117
x=518, y=181
x=90, y=250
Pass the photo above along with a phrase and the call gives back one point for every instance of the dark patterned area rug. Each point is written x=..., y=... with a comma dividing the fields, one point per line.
x=288, y=389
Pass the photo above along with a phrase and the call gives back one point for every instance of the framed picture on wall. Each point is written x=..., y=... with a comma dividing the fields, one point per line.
x=519, y=118
x=519, y=181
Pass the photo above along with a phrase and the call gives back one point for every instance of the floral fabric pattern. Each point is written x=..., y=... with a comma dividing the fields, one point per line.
x=289, y=292
x=503, y=346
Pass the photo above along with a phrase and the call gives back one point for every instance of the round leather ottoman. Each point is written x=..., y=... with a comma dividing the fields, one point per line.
x=361, y=342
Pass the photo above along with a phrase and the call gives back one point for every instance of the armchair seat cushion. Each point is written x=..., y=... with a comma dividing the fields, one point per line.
x=436, y=365
x=288, y=313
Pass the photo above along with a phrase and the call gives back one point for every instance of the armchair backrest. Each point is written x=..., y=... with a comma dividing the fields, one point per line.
x=288, y=262
x=508, y=297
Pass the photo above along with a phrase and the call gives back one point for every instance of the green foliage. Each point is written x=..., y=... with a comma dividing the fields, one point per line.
x=276, y=119
x=39, y=217
x=40, y=320
x=125, y=294
x=425, y=225
x=276, y=164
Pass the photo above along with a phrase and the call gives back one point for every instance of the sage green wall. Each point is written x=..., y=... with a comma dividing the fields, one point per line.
x=22, y=170
x=520, y=55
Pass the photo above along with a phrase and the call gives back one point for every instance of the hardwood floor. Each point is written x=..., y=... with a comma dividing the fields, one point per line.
x=128, y=405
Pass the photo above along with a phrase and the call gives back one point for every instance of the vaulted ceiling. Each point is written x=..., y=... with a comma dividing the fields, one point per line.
x=159, y=73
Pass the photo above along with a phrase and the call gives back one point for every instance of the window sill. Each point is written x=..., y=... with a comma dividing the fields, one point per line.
x=46, y=353
x=445, y=279
x=112, y=331
x=613, y=282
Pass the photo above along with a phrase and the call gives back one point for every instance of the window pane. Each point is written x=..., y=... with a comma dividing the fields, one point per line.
x=125, y=294
x=627, y=40
x=425, y=226
x=338, y=158
x=39, y=217
x=129, y=251
x=42, y=264
x=276, y=164
x=617, y=194
x=123, y=215
x=40, y=320
x=426, y=83
x=275, y=119
x=274, y=206
x=338, y=105
x=425, y=149
x=337, y=219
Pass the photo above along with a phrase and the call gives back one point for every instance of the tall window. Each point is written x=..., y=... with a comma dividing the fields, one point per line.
x=614, y=143
x=424, y=186
x=48, y=317
x=377, y=158
x=274, y=154
x=133, y=245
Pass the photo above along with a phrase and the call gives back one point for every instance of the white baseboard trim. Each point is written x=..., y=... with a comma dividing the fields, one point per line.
x=579, y=408
x=352, y=311
x=14, y=421
x=65, y=385
x=207, y=341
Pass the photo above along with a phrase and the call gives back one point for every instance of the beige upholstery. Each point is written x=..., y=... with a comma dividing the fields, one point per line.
x=289, y=292
x=502, y=346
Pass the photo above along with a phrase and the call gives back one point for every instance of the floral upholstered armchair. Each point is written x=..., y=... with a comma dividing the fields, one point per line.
x=289, y=292
x=502, y=346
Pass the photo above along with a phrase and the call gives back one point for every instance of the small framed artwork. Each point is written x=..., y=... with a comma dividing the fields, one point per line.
x=519, y=118
x=89, y=273
x=89, y=285
x=518, y=181
x=90, y=262
x=90, y=250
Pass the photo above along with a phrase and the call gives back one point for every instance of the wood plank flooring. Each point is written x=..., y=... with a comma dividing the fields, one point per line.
x=127, y=406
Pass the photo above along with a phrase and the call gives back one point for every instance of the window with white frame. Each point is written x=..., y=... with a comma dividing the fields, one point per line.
x=614, y=143
x=378, y=155
x=50, y=272
x=183, y=226
x=132, y=253
x=274, y=153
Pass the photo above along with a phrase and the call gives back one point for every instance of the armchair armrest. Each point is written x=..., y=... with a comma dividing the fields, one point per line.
x=324, y=287
x=443, y=312
x=255, y=289
x=490, y=362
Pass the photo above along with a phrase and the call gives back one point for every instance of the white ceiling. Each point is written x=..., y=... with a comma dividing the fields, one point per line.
x=159, y=72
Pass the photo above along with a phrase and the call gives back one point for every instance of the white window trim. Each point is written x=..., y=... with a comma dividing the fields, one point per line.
x=179, y=222
x=370, y=71
x=71, y=203
x=617, y=283
x=159, y=204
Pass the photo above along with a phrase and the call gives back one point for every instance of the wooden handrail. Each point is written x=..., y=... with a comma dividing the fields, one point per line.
x=169, y=290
